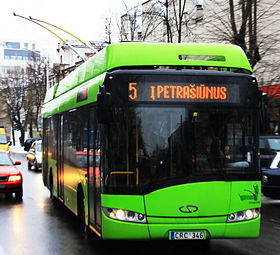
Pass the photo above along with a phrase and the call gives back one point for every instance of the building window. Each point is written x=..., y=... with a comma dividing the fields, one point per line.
x=13, y=45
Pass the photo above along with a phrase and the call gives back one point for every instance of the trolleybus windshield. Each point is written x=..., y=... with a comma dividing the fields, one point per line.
x=162, y=144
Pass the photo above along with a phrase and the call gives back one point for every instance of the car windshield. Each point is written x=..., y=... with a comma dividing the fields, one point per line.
x=3, y=139
x=274, y=144
x=5, y=160
x=152, y=146
x=39, y=146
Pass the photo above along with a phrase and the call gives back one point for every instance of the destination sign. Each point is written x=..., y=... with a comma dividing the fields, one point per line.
x=190, y=92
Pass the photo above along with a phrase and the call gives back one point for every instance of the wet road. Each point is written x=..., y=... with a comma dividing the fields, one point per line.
x=37, y=226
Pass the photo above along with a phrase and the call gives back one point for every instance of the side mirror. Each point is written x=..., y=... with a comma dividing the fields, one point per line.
x=104, y=106
x=17, y=163
x=264, y=119
x=9, y=143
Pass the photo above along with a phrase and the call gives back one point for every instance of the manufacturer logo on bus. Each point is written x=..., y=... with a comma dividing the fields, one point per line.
x=250, y=194
x=188, y=209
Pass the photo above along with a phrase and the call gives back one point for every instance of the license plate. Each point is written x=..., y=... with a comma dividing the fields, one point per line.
x=2, y=186
x=187, y=235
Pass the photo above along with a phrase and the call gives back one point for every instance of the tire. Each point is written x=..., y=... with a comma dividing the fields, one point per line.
x=19, y=194
x=8, y=195
x=81, y=211
x=36, y=168
x=51, y=186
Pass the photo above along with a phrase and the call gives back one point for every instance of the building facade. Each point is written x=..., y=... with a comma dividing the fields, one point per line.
x=70, y=56
x=14, y=58
x=211, y=21
x=15, y=55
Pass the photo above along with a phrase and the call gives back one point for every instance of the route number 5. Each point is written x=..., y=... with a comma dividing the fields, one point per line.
x=132, y=90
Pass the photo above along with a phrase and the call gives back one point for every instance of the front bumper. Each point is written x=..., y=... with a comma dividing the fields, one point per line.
x=10, y=187
x=113, y=229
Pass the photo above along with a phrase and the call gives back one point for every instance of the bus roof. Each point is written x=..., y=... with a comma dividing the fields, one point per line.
x=140, y=54
x=155, y=54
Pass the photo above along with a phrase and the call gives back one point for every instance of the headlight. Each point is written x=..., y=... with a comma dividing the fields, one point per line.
x=265, y=179
x=244, y=215
x=14, y=178
x=124, y=215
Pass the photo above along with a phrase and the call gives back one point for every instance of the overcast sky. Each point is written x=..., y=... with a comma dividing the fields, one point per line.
x=84, y=18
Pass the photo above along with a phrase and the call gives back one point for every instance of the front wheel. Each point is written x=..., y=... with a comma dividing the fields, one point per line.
x=36, y=166
x=19, y=194
x=29, y=166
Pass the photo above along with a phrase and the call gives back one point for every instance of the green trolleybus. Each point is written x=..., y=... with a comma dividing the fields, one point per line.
x=157, y=141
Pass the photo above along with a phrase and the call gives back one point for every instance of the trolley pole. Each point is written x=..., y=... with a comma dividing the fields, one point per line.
x=80, y=40
x=55, y=34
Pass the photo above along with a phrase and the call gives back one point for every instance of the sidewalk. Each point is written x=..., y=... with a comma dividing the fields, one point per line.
x=17, y=149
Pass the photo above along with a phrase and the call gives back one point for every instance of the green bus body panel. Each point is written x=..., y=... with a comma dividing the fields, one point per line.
x=245, y=195
x=167, y=54
x=128, y=202
x=211, y=198
x=68, y=100
x=93, y=67
x=50, y=94
x=113, y=229
x=215, y=200
x=63, y=96
x=245, y=229
x=206, y=196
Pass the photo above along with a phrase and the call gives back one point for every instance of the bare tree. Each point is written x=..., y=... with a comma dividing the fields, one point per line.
x=152, y=20
x=130, y=22
x=179, y=17
x=13, y=96
x=23, y=92
x=253, y=25
x=244, y=23
x=108, y=30
x=36, y=72
x=160, y=20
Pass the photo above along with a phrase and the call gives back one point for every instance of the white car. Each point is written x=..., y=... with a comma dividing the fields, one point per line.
x=34, y=156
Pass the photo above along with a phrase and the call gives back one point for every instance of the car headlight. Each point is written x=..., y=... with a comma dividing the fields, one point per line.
x=14, y=178
x=125, y=215
x=265, y=179
x=243, y=215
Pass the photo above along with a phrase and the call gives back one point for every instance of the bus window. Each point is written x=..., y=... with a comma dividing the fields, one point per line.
x=155, y=145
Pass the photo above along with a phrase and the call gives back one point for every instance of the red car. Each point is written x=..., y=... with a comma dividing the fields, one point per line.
x=10, y=176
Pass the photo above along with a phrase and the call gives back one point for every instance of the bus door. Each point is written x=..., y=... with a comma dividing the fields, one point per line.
x=94, y=194
x=46, y=134
x=60, y=165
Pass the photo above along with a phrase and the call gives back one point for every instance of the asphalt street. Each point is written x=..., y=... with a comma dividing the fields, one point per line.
x=36, y=225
